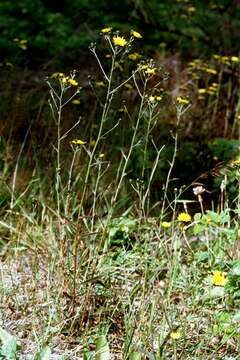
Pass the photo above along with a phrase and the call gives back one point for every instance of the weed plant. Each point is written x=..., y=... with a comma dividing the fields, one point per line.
x=88, y=272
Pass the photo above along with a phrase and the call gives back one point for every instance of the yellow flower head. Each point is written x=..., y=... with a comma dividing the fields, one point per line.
x=151, y=98
x=128, y=86
x=191, y=9
x=182, y=101
x=136, y=34
x=76, y=102
x=78, y=142
x=219, y=278
x=101, y=156
x=99, y=84
x=175, y=335
x=184, y=217
x=106, y=30
x=73, y=82
x=202, y=91
x=211, y=71
x=134, y=56
x=236, y=162
x=235, y=59
x=119, y=41
x=166, y=224
x=64, y=79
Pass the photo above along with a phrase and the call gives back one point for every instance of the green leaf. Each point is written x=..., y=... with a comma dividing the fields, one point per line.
x=87, y=355
x=135, y=356
x=44, y=354
x=201, y=256
x=217, y=291
x=9, y=345
x=102, y=349
x=236, y=317
x=236, y=269
x=198, y=229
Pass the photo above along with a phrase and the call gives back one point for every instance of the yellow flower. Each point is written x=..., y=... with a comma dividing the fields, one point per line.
x=128, y=86
x=73, y=82
x=106, y=30
x=211, y=71
x=151, y=98
x=166, y=224
x=182, y=101
x=191, y=9
x=202, y=91
x=158, y=98
x=236, y=162
x=175, y=335
x=100, y=84
x=150, y=71
x=76, y=102
x=219, y=278
x=119, y=41
x=101, y=155
x=136, y=34
x=143, y=66
x=184, y=217
x=234, y=59
x=134, y=56
x=64, y=79
x=78, y=142
x=22, y=44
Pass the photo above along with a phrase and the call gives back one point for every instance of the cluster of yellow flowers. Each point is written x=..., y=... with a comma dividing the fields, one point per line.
x=210, y=90
x=120, y=41
x=182, y=217
x=148, y=70
x=228, y=60
x=153, y=99
x=22, y=44
x=199, y=65
x=67, y=80
x=182, y=100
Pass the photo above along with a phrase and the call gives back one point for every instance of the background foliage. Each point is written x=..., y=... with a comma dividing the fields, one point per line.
x=62, y=30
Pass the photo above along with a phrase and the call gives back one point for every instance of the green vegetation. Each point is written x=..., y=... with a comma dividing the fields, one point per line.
x=33, y=31
x=119, y=194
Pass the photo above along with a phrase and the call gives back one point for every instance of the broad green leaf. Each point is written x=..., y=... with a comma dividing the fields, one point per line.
x=102, y=349
x=44, y=354
x=9, y=345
